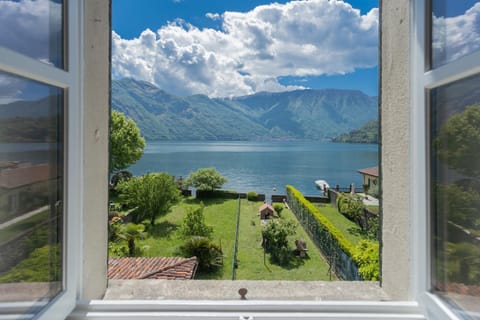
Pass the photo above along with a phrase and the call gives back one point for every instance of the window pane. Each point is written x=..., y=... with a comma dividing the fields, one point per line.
x=455, y=185
x=31, y=190
x=455, y=30
x=33, y=28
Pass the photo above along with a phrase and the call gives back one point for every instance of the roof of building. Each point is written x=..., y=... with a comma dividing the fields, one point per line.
x=266, y=206
x=166, y=268
x=373, y=171
x=15, y=175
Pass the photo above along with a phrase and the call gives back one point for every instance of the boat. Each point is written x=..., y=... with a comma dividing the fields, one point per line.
x=322, y=184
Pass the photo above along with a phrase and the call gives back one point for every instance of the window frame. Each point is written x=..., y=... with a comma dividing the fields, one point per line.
x=424, y=78
x=69, y=79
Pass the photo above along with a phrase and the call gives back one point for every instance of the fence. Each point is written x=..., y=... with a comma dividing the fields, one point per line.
x=326, y=237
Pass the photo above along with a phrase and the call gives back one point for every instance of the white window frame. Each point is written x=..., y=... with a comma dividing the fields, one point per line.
x=69, y=80
x=421, y=81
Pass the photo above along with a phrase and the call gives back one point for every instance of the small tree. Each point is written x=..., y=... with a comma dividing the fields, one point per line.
x=126, y=142
x=206, y=179
x=194, y=224
x=131, y=232
x=275, y=239
x=278, y=208
x=152, y=194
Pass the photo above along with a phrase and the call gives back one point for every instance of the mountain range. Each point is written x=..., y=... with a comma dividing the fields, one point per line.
x=291, y=115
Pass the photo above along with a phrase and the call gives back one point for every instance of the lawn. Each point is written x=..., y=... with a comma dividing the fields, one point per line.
x=349, y=229
x=251, y=263
x=221, y=214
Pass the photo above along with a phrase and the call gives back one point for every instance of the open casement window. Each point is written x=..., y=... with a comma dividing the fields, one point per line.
x=445, y=162
x=40, y=157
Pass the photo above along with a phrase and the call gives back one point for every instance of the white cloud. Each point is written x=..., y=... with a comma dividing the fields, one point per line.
x=455, y=37
x=28, y=26
x=213, y=16
x=253, y=49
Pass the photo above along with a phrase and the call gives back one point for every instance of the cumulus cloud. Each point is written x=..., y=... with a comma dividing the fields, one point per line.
x=29, y=26
x=252, y=50
x=455, y=37
x=213, y=16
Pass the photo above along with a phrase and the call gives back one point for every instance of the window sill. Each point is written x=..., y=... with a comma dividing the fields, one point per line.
x=209, y=299
x=257, y=290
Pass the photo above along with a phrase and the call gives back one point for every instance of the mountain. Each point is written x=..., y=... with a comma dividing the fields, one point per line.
x=301, y=114
x=366, y=134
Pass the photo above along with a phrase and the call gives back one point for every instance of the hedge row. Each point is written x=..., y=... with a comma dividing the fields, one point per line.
x=354, y=262
x=343, y=243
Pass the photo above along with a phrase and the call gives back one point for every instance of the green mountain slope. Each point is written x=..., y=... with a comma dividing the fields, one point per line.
x=366, y=134
x=301, y=114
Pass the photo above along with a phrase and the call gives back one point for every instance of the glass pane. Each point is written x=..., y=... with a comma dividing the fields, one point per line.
x=31, y=190
x=455, y=30
x=455, y=200
x=33, y=28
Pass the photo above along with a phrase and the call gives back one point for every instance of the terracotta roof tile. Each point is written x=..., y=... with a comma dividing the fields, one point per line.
x=169, y=268
x=266, y=206
x=373, y=171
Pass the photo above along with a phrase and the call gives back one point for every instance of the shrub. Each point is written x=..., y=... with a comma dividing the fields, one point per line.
x=275, y=239
x=209, y=255
x=278, y=208
x=350, y=208
x=252, y=196
x=366, y=257
x=194, y=224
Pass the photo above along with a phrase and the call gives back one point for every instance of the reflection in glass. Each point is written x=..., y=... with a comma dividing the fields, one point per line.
x=455, y=30
x=33, y=28
x=455, y=194
x=31, y=190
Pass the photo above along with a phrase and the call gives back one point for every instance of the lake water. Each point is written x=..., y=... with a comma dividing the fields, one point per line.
x=262, y=166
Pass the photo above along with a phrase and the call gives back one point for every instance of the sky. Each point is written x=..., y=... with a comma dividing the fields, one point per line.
x=234, y=48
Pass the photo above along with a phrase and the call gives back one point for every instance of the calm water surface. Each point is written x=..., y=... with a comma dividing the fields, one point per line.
x=262, y=166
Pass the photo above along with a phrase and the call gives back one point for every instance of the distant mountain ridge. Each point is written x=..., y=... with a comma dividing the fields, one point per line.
x=290, y=115
x=366, y=134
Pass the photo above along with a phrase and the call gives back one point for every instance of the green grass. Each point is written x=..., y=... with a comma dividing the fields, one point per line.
x=22, y=226
x=350, y=230
x=251, y=263
x=163, y=241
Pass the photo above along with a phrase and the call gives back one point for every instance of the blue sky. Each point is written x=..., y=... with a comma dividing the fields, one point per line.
x=304, y=65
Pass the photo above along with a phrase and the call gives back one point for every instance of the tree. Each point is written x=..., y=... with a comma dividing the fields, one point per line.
x=275, y=239
x=152, y=195
x=458, y=142
x=126, y=143
x=131, y=232
x=206, y=179
x=194, y=224
x=278, y=208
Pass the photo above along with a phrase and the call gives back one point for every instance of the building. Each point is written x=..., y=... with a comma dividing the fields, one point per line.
x=370, y=176
x=165, y=268
x=266, y=211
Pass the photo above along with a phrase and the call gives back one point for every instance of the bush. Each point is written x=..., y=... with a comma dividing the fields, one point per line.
x=366, y=256
x=194, y=224
x=275, y=239
x=252, y=196
x=209, y=255
x=278, y=208
x=350, y=208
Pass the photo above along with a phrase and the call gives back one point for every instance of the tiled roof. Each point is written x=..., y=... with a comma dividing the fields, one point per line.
x=266, y=206
x=373, y=171
x=167, y=268
x=19, y=175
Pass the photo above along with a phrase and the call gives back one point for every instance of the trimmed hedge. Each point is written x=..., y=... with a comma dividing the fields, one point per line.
x=222, y=194
x=348, y=260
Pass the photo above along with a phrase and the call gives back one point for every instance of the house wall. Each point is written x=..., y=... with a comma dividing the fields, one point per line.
x=95, y=135
x=395, y=154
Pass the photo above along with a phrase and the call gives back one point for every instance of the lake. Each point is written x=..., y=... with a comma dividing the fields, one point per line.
x=262, y=166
